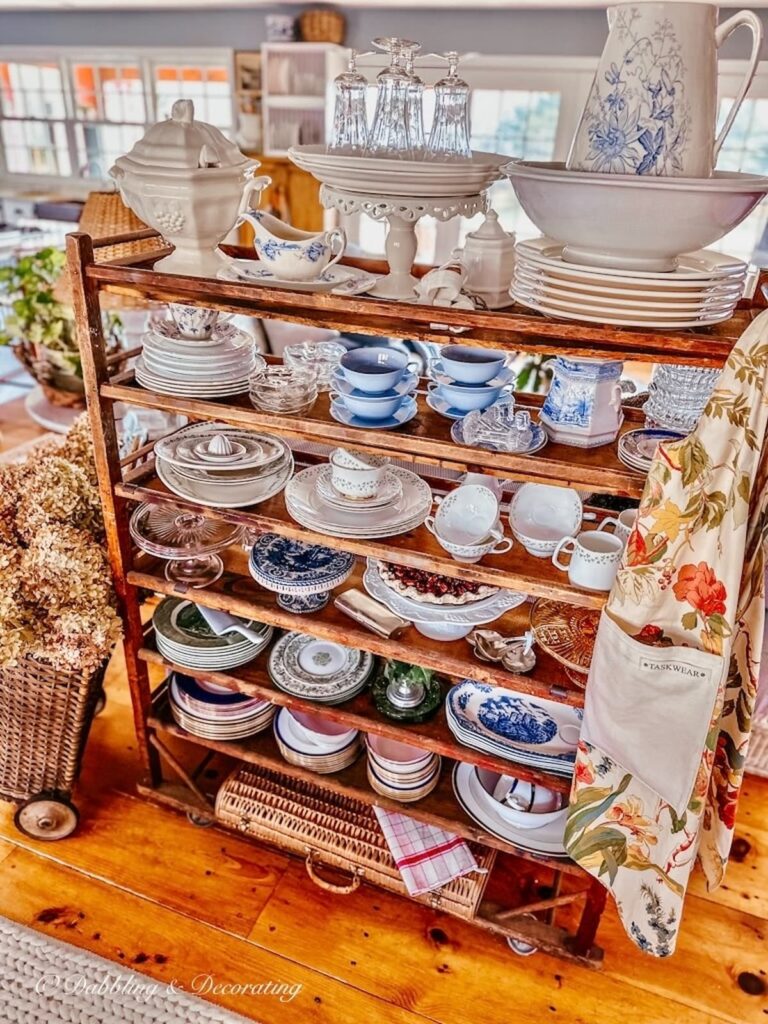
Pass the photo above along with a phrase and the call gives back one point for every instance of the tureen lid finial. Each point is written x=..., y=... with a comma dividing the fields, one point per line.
x=183, y=111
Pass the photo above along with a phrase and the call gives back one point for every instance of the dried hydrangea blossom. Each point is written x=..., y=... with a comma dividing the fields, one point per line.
x=56, y=599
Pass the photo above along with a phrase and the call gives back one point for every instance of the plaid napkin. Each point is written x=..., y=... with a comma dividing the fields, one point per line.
x=427, y=857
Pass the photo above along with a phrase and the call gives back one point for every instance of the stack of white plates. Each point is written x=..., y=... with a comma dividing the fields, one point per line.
x=474, y=789
x=704, y=289
x=531, y=731
x=402, y=505
x=318, y=670
x=310, y=742
x=222, y=466
x=400, y=771
x=185, y=638
x=215, y=712
x=637, y=447
x=216, y=367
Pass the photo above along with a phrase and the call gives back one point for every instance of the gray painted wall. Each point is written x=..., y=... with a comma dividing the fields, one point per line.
x=558, y=32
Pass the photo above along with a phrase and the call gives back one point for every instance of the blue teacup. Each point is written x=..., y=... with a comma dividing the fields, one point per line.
x=471, y=365
x=372, y=407
x=374, y=370
x=464, y=398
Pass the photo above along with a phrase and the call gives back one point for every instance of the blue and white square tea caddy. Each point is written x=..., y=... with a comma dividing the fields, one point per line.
x=583, y=407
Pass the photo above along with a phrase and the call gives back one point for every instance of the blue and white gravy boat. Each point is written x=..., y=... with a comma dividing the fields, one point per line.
x=291, y=254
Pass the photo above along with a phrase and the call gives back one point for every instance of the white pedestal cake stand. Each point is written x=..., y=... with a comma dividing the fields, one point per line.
x=402, y=213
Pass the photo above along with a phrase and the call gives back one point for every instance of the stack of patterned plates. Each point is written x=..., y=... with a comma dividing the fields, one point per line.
x=704, y=289
x=535, y=732
x=402, y=504
x=215, y=712
x=215, y=367
x=222, y=466
x=185, y=638
x=637, y=447
x=400, y=771
x=318, y=670
x=474, y=788
x=306, y=741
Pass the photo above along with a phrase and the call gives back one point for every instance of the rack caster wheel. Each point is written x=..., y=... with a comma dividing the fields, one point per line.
x=199, y=820
x=101, y=703
x=521, y=948
x=47, y=818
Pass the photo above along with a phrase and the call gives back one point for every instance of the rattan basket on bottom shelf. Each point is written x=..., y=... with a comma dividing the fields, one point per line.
x=332, y=830
x=45, y=716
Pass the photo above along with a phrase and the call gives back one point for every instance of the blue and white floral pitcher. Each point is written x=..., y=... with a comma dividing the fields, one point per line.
x=290, y=254
x=652, y=108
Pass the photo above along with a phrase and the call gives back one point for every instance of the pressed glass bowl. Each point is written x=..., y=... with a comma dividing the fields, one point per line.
x=283, y=389
x=322, y=357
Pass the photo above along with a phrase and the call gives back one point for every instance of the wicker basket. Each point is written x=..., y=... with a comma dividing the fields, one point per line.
x=337, y=831
x=322, y=25
x=45, y=715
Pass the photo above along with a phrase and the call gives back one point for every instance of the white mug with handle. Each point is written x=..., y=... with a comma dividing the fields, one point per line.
x=595, y=559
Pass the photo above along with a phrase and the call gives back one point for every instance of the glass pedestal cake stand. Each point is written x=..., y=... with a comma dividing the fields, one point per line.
x=187, y=540
x=302, y=575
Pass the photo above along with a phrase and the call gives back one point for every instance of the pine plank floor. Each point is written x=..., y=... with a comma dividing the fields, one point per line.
x=142, y=887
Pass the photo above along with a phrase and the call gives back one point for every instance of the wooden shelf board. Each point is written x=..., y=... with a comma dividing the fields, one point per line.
x=427, y=438
x=439, y=808
x=237, y=593
x=511, y=329
x=514, y=570
x=361, y=713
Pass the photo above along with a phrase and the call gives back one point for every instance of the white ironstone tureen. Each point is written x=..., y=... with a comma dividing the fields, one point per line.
x=188, y=181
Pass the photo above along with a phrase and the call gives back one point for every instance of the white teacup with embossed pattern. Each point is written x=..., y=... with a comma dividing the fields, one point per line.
x=357, y=475
x=595, y=559
x=623, y=525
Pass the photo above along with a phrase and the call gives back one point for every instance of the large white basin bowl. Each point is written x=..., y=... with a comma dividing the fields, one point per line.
x=630, y=222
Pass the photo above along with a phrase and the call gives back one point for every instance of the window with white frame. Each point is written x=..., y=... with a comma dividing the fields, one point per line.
x=73, y=113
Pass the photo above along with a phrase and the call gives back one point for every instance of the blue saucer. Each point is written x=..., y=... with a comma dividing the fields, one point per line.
x=405, y=386
x=404, y=414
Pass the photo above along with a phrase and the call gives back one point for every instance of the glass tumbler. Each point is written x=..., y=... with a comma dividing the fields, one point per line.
x=449, y=138
x=350, y=119
x=389, y=135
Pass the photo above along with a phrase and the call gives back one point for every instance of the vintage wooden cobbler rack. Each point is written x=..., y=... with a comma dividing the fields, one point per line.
x=568, y=902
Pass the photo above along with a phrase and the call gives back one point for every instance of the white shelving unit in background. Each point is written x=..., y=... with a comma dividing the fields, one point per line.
x=297, y=97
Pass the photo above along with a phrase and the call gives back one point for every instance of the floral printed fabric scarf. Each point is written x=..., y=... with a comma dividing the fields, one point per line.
x=693, y=578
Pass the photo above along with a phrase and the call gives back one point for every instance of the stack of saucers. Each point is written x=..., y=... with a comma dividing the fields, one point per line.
x=531, y=731
x=222, y=466
x=216, y=712
x=637, y=447
x=373, y=389
x=318, y=670
x=312, y=742
x=399, y=771
x=466, y=379
x=185, y=638
x=173, y=363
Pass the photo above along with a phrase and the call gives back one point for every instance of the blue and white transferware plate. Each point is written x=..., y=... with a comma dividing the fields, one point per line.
x=505, y=376
x=405, y=386
x=404, y=414
x=495, y=713
x=339, y=280
x=291, y=567
x=557, y=764
x=637, y=447
x=539, y=439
